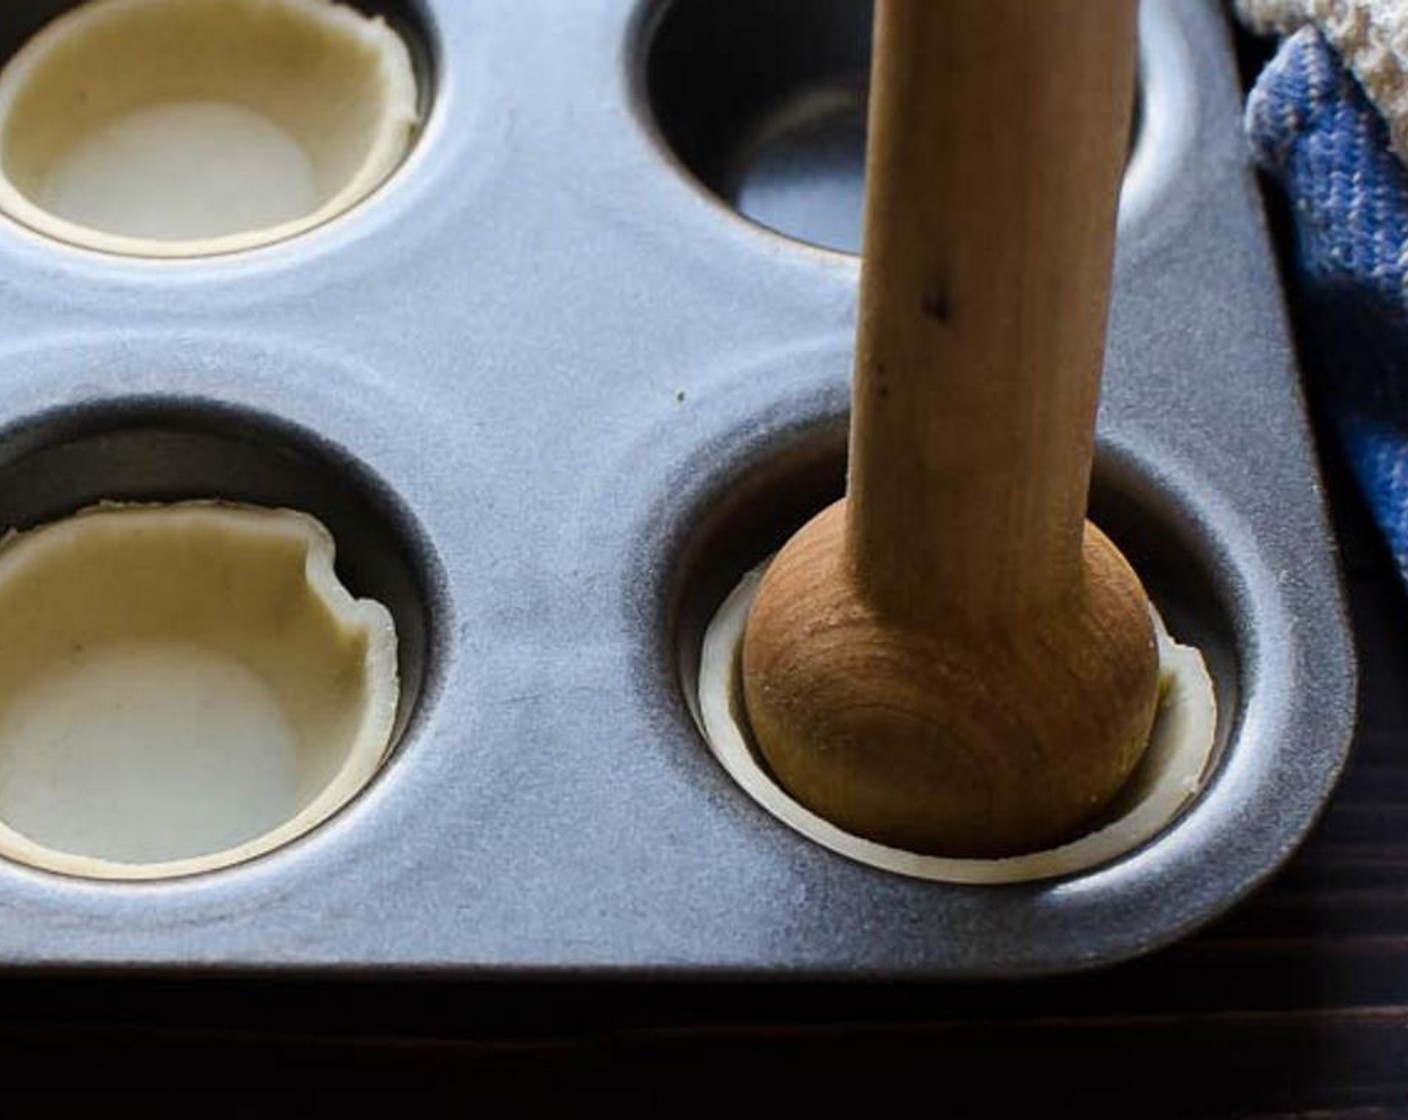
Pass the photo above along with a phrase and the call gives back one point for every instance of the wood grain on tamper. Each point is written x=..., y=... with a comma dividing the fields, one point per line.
x=951, y=659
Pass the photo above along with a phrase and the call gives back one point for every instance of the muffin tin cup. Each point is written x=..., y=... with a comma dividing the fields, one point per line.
x=553, y=399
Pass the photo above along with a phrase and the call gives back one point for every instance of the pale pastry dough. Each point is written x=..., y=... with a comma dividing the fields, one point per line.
x=1177, y=761
x=179, y=128
x=182, y=688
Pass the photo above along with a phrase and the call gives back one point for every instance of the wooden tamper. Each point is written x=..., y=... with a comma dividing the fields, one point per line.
x=951, y=659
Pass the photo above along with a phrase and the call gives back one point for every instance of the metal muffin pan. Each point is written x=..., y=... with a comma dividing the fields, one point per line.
x=552, y=396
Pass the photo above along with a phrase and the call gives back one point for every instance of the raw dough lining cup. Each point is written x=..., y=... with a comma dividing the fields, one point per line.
x=1201, y=695
x=195, y=685
x=186, y=687
x=187, y=128
x=1177, y=762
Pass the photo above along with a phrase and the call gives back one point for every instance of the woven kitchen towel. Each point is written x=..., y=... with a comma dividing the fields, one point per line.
x=1371, y=37
x=1315, y=128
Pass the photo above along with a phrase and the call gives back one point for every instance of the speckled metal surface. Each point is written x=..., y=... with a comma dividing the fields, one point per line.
x=552, y=396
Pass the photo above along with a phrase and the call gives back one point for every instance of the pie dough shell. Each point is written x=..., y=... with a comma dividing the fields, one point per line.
x=253, y=585
x=1175, y=765
x=341, y=84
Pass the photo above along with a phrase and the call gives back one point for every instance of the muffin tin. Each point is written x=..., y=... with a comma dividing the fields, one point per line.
x=552, y=394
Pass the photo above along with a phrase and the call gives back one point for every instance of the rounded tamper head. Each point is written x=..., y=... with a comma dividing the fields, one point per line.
x=977, y=743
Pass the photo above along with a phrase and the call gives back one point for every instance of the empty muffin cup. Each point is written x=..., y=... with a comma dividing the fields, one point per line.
x=181, y=128
x=182, y=688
